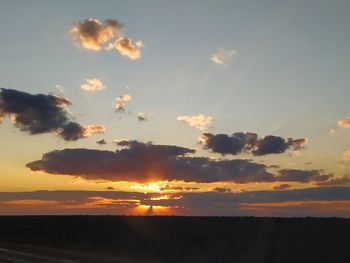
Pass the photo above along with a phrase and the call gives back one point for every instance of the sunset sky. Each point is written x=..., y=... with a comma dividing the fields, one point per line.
x=175, y=107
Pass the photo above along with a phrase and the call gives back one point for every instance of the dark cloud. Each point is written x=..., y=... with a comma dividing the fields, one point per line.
x=221, y=190
x=41, y=113
x=177, y=188
x=101, y=141
x=249, y=142
x=324, y=201
x=302, y=176
x=281, y=186
x=144, y=162
x=342, y=180
x=110, y=188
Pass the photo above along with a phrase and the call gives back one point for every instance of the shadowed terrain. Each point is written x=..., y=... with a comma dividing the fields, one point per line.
x=173, y=239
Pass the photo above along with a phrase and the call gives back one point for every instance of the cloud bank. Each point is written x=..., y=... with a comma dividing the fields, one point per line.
x=146, y=162
x=321, y=201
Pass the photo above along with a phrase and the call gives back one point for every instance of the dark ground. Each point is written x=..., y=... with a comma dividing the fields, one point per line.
x=173, y=239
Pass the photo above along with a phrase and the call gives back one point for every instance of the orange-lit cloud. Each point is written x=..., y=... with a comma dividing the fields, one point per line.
x=92, y=129
x=344, y=123
x=127, y=48
x=121, y=102
x=323, y=201
x=346, y=155
x=199, y=121
x=93, y=34
x=92, y=85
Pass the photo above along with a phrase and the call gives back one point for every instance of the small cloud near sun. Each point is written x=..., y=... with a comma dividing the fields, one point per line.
x=346, y=155
x=92, y=85
x=222, y=56
x=344, y=123
x=199, y=121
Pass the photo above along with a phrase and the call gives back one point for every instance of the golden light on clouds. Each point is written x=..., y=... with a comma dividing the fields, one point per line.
x=344, y=123
x=199, y=121
x=346, y=155
x=92, y=85
x=127, y=48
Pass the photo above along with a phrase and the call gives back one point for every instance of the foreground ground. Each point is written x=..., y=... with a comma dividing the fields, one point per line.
x=173, y=239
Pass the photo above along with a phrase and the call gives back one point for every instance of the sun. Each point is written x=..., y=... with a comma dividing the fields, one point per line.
x=149, y=187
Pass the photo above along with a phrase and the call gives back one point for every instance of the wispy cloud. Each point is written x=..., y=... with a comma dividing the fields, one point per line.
x=121, y=102
x=222, y=56
x=92, y=85
x=199, y=121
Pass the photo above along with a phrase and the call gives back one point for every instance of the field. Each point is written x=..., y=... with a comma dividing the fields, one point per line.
x=173, y=239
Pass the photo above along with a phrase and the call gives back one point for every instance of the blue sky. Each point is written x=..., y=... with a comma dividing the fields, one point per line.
x=289, y=78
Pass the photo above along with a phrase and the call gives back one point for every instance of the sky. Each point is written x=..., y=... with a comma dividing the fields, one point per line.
x=175, y=108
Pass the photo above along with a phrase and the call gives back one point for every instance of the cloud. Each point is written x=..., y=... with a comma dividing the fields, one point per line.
x=319, y=201
x=281, y=186
x=222, y=56
x=93, y=34
x=346, y=155
x=96, y=35
x=101, y=141
x=199, y=121
x=249, y=142
x=221, y=190
x=143, y=116
x=92, y=129
x=127, y=48
x=342, y=180
x=121, y=102
x=303, y=176
x=177, y=188
x=144, y=162
x=344, y=123
x=92, y=85
x=41, y=113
